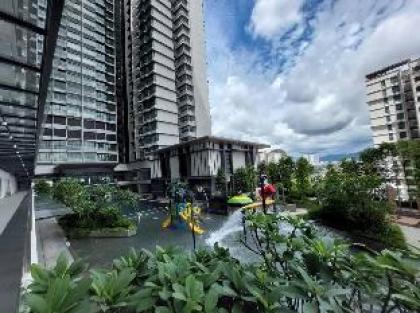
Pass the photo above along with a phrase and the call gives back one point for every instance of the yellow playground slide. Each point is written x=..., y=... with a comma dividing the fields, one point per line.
x=197, y=229
x=166, y=222
x=186, y=217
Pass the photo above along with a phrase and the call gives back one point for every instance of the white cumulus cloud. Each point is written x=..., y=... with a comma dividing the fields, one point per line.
x=317, y=104
x=271, y=17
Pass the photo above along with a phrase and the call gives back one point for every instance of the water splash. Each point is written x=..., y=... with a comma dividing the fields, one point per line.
x=232, y=225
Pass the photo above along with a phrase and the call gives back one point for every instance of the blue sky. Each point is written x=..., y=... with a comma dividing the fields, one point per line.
x=291, y=72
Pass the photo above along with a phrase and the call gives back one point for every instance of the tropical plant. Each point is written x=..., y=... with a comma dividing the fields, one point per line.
x=244, y=179
x=286, y=168
x=94, y=207
x=221, y=181
x=41, y=187
x=111, y=290
x=315, y=274
x=302, y=177
x=299, y=271
x=60, y=289
x=356, y=202
x=62, y=295
x=409, y=152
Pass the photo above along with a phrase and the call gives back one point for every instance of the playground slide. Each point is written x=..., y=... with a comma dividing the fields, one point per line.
x=167, y=222
x=257, y=205
x=197, y=229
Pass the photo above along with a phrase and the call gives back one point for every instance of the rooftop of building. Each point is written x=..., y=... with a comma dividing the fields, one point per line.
x=273, y=150
x=388, y=68
x=219, y=140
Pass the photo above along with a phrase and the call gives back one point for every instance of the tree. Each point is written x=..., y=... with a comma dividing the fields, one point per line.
x=350, y=166
x=221, y=181
x=409, y=152
x=286, y=168
x=370, y=158
x=42, y=187
x=273, y=172
x=261, y=168
x=303, y=173
x=244, y=179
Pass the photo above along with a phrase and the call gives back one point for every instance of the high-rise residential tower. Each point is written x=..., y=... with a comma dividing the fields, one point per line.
x=393, y=97
x=166, y=74
x=81, y=113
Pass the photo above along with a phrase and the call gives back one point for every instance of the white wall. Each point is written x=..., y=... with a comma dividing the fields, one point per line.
x=238, y=159
x=8, y=184
x=174, y=164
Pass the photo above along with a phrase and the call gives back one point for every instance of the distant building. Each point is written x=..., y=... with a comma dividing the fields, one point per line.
x=196, y=162
x=393, y=97
x=270, y=155
x=313, y=159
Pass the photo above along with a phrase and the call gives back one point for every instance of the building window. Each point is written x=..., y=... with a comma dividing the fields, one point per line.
x=111, y=138
x=74, y=121
x=401, y=125
x=400, y=116
x=100, y=125
x=110, y=127
x=75, y=134
x=395, y=89
x=89, y=136
x=100, y=136
x=387, y=110
x=388, y=119
x=89, y=124
x=47, y=132
x=60, y=120
x=399, y=107
x=391, y=137
x=403, y=135
x=390, y=127
x=60, y=132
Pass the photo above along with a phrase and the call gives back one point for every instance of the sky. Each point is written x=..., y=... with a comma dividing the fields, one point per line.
x=290, y=73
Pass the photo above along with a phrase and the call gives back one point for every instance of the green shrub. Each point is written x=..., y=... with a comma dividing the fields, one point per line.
x=42, y=187
x=356, y=202
x=74, y=195
x=388, y=235
x=94, y=207
x=298, y=272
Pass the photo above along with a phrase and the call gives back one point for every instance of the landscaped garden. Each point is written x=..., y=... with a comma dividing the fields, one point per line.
x=97, y=210
x=298, y=272
x=287, y=264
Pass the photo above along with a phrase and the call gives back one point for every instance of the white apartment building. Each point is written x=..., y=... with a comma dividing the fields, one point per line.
x=393, y=97
x=166, y=74
x=270, y=155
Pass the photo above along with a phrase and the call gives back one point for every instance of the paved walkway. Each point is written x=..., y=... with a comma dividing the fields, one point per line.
x=47, y=208
x=14, y=237
x=8, y=206
x=51, y=238
x=412, y=235
x=51, y=242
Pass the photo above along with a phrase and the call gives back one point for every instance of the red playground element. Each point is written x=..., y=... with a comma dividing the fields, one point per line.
x=269, y=191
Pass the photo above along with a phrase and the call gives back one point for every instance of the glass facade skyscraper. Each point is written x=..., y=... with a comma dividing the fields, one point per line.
x=81, y=112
